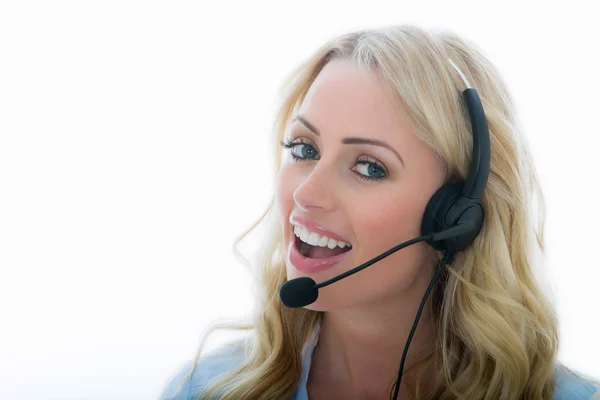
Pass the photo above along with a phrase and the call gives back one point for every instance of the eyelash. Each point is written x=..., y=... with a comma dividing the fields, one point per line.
x=288, y=144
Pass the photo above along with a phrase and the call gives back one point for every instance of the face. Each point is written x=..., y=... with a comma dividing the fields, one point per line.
x=372, y=196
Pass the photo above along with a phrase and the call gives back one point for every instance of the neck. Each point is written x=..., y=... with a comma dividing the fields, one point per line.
x=361, y=348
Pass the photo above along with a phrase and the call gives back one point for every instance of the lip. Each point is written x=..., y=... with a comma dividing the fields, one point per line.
x=311, y=265
x=314, y=227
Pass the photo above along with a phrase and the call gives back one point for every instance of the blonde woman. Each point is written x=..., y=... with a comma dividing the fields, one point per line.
x=369, y=129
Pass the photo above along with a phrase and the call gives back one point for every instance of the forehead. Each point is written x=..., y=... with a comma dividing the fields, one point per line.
x=344, y=100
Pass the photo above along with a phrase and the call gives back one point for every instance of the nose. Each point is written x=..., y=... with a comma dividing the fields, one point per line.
x=316, y=192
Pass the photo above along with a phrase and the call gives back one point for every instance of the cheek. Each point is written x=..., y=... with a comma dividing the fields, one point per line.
x=395, y=219
x=381, y=225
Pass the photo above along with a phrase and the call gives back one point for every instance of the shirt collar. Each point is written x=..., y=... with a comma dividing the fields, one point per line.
x=302, y=393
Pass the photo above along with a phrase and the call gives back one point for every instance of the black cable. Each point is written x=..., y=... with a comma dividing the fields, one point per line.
x=446, y=259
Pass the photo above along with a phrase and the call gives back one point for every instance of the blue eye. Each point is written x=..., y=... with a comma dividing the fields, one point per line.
x=308, y=152
x=374, y=169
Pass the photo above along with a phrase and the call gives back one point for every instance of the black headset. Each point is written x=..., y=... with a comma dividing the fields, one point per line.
x=455, y=205
x=460, y=202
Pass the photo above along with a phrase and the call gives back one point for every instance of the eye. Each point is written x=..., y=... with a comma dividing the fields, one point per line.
x=370, y=169
x=307, y=151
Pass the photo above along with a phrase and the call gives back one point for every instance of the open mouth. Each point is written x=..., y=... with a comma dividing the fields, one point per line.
x=310, y=251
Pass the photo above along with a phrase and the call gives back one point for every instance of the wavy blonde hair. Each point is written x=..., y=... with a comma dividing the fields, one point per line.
x=497, y=329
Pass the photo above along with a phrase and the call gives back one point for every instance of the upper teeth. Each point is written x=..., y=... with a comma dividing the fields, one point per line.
x=314, y=239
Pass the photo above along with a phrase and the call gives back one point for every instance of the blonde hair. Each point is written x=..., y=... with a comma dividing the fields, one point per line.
x=497, y=329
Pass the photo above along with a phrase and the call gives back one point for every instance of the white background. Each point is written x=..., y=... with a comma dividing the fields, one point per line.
x=134, y=149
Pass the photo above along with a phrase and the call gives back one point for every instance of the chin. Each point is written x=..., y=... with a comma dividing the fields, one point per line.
x=315, y=307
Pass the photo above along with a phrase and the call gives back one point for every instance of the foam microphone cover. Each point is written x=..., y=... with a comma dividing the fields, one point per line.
x=298, y=292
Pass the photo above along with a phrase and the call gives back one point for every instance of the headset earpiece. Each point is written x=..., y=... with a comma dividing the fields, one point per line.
x=448, y=208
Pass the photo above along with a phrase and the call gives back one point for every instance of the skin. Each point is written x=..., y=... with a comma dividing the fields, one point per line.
x=367, y=316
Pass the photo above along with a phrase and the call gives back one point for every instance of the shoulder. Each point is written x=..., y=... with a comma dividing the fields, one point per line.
x=574, y=385
x=182, y=386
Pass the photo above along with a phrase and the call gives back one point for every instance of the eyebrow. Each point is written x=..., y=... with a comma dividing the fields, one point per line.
x=350, y=140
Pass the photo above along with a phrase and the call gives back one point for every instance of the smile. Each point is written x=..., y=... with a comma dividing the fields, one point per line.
x=311, y=258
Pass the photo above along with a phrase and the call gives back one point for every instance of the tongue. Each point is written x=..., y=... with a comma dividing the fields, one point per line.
x=324, y=252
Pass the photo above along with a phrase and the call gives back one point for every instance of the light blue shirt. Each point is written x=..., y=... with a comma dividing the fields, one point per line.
x=568, y=386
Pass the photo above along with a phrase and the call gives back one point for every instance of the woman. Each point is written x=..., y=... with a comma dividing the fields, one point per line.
x=371, y=126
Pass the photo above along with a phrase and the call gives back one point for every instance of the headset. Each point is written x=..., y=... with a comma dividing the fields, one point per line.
x=460, y=202
x=452, y=220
